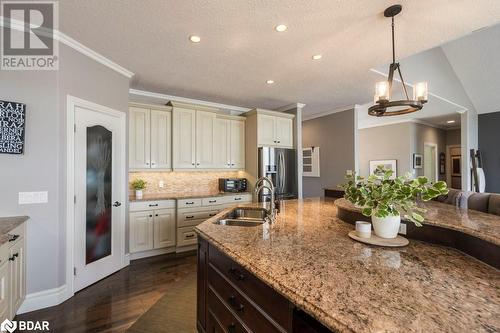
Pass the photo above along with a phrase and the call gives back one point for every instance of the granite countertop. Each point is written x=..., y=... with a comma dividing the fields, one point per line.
x=471, y=222
x=163, y=196
x=7, y=224
x=352, y=287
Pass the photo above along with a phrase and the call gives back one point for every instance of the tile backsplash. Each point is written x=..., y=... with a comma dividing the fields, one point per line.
x=185, y=182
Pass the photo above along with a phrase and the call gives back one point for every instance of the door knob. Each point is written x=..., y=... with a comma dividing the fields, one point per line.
x=117, y=204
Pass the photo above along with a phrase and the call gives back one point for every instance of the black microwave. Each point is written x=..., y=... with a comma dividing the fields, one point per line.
x=232, y=184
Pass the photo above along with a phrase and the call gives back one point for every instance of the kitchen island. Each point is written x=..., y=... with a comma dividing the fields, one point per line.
x=318, y=279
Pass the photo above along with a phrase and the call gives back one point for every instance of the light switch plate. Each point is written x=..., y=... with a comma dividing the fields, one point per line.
x=26, y=198
x=161, y=184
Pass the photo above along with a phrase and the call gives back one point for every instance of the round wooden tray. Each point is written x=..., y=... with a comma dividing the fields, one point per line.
x=399, y=241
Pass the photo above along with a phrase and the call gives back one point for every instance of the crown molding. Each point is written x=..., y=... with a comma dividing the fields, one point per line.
x=402, y=121
x=77, y=46
x=171, y=98
x=291, y=106
x=306, y=116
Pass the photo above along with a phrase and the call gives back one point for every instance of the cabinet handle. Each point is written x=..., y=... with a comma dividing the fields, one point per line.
x=14, y=256
x=190, y=236
x=190, y=203
x=213, y=214
x=190, y=217
x=234, y=304
x=197, y=163
x=150, y=215
x=192, y=163
x=156, y=214
x=237, y=199
x=13, y=237
x=212, y=201
x=152, y=163
x=155, y=205
x=231, y=328
x=147, y=163
x=279, y=142
x=239, y=276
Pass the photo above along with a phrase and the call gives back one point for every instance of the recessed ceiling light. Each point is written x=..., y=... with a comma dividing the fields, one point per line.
x=269, y=81
x=281, y=28
x=195, y=39
x=450, y=121
x=317, y=56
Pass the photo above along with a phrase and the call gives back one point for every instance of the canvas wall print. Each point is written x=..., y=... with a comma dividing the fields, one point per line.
x=387, y=164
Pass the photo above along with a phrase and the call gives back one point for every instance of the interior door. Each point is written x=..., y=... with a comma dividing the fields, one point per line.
x=99, y=188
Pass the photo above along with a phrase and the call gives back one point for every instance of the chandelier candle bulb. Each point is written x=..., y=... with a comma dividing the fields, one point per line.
x=363, y=229
x=382, y=91
x=420, y=92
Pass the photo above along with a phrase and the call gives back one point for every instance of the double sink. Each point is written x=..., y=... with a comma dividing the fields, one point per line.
x=244, y=217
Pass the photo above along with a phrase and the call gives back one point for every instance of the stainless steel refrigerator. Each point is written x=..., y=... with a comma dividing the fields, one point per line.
x=280, y=165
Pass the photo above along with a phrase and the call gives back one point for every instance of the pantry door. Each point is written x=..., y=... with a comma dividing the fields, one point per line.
x=99, y=174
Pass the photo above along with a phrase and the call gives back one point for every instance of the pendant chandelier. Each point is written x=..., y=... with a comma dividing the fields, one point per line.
x=383, y=105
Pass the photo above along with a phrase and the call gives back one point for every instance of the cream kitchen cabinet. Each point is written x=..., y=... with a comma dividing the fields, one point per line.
x=152, y=225
x=13, y=273
x=229, y=143
x=275, y=130
x=205, y=139
x=150, y=132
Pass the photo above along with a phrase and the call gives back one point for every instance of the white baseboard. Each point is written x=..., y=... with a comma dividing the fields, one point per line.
x=44, y=299
x=151, y=253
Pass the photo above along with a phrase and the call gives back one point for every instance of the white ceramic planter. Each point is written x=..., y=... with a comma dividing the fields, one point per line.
x=386, y=227
x=138, y=194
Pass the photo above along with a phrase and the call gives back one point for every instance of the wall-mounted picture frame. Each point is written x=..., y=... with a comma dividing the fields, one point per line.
x=388, y=164
x=442, y=163
x=418, y=161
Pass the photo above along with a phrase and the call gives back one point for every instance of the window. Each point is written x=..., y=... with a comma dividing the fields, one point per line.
x=310, y=162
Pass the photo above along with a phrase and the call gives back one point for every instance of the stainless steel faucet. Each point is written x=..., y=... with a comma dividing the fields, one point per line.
x=270, y=187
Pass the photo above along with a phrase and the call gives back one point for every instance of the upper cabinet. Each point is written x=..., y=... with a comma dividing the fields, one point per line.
x=274, y=129
x=150, y=137
x=204, y=139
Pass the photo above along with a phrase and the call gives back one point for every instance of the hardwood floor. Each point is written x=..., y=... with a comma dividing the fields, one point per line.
x=116, y=302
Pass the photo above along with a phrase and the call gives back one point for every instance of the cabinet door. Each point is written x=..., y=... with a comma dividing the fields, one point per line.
x=205, y=139
x=284, y=132
x=183, y=131
x=161, y=124
x=222, y=143
x=5, y=291
x=17, y=276
x=164, y=228
x=237, y=144
x=266, y=129
x=141, y=231
x=139, y=136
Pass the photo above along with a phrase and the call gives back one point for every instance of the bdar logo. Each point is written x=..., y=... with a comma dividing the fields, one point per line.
x=8, y=326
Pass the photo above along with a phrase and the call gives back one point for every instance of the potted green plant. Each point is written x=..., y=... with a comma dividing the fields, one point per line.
x=385, y=200
x=138, y=185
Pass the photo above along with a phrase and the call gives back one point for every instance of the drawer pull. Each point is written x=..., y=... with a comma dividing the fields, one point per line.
x=190, y=203
x=190, y=236
x=237, y=199
x=14, y=256
x=150, y=215
x=237, y=274
x=212, y=214
x=13, y=237
x=212, y=201
x=190, y=217
x=238, y=307
x=232, y=328
x=155, y=205
x=156, y=214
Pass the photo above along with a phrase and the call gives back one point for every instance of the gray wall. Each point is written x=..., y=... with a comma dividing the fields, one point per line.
x=427, y=134
x=391, y=142
x=335, y=135
x=453, y=137
x=42, y=167
x=489, y=140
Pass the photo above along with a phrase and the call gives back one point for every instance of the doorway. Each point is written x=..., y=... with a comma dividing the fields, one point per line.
x=98, y=235
x=430, y=162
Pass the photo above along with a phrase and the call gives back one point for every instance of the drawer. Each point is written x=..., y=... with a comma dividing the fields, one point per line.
x=203, y=215
x=239, y=198
x=150, y=205
x=212, y=201
x=186, y=236
x=186, y=203
x=244, y=310
x=222, y=315
x=271, y=302
x=16, y=234
x=189, y=223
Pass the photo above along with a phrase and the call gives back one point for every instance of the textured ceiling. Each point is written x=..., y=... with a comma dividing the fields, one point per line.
x=240, y=50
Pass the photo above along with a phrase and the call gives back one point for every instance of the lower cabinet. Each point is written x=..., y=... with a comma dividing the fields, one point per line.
x=12, y=273
x=152, y=225
x=231, y=299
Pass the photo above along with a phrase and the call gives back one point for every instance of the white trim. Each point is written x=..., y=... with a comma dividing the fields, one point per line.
x=326, y=113
x=290, y=107
x=237, y=109
x=77, y=46
x=43, y=299
x=461, y=107
x=72, y=102
x=401, y=121
x=436, y=158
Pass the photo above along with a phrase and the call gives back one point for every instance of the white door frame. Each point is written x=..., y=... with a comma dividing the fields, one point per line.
x=436, y=161
x=72, y=103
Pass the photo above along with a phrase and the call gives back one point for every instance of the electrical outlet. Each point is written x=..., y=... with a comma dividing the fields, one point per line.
x=161, y=184
x=349, y=172
x=402, y=228
x=26, y=198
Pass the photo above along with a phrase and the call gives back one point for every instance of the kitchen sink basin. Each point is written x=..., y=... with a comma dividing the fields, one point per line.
x=244, y=217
